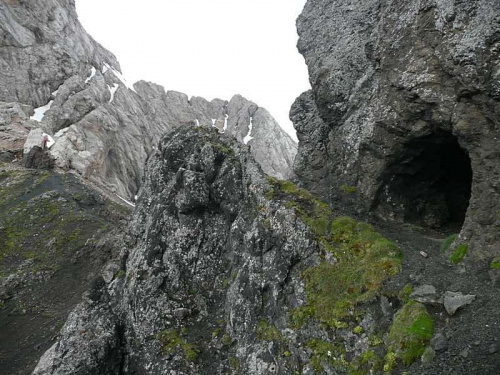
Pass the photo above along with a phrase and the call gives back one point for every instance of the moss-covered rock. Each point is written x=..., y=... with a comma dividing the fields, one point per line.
x=411, y=332
x=53, y=239
x=363, y=260
x=171, y=341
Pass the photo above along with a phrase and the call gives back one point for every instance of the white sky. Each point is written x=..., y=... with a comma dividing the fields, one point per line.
x=208, y=48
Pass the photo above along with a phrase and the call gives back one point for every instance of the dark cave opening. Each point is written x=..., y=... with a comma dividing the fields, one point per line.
x=430, y=184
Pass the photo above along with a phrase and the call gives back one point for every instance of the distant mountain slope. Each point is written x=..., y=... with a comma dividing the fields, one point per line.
x=104, y=127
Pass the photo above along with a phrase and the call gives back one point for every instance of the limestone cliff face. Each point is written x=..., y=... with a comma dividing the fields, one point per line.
x=42, y=45
x=104, y=127
x=404, y=109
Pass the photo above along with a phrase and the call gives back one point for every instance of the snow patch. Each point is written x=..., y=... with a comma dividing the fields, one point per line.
x=213, y=121
x=61, y=132
x=105, y=68
x=40, y=111
x=248, y=137
x=197, y=122
x=126, y=201
x=225, y=123
x=122, y=79
x=92, y=74
x=112, y=91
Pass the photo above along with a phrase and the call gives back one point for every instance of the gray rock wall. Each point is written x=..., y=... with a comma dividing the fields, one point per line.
x=395, y=83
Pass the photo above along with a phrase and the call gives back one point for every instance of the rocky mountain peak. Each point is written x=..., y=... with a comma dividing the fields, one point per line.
x=103, y=126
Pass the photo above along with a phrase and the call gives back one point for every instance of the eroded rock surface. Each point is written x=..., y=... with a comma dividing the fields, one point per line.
x=404, y=111
x=14, y=129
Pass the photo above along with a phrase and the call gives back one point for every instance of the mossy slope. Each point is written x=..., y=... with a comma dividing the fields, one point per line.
x=52, y=229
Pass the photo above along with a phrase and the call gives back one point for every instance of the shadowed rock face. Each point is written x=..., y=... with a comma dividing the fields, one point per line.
x=390, y=81
x=104, y=127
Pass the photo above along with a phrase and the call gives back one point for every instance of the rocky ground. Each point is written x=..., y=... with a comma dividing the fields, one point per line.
x=56, y=233
x=467, y=342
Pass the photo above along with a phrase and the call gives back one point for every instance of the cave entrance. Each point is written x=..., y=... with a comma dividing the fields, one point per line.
x=430, y=184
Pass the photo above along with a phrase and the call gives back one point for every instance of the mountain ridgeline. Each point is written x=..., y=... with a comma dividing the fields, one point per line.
x=57, y=78
x=162, y=234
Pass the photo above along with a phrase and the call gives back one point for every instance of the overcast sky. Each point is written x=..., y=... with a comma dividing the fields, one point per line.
x=208, y=48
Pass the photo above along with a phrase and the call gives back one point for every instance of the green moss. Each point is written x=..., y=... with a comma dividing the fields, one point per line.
x=171, y=341
x=365, y=260
x=495, y=264
x=267, y=332
x=459, y=253
x=348, y=190
x=358, y=330
x=216, y=332
x=390, y=361
x=312, y=211
x=375, y=340
x=74, y=236
x=42, y=227
x=226, y=339
x=235, y=365
x=367, y=363
x=270, y=194
x=224, y=149
x=445, y=245
x=410, y=332
x=42, y=178
x=327, y=353
x=404, y=294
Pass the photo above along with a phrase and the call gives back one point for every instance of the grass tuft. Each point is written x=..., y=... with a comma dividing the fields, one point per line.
x=495, y=264
x=267, y=332
x=171, y=341
x=459, y=253
x=348, y=190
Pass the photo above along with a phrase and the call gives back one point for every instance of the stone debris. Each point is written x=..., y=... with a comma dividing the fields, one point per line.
x=456, y=300
x=426, y=294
